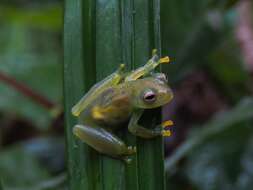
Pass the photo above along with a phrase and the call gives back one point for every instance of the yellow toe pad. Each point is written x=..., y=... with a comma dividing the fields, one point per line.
x=166, y=133
x=167, y=123
x=164, y=60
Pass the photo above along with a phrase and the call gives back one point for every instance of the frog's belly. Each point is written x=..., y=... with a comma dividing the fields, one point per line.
x=115, y=119
x=112, y=117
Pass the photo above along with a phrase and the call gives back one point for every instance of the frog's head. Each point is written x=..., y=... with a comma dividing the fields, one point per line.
x=152, y=92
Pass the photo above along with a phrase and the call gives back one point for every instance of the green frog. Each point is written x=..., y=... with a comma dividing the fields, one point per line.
x=119, y=98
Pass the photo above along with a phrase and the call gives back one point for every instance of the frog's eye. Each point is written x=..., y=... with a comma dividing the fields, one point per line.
x=149, y=96
x=162, y=77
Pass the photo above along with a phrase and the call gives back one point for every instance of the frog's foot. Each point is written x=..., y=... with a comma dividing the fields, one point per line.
x=161, y=60
x=164, y=60
x=127, y=160
x=121, y=67
x=167, y=123
x=166, y=132
x=131, y=150
x=154, y=52
x=148, y=67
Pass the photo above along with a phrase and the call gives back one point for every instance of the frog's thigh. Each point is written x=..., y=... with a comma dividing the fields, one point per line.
x=102, y=140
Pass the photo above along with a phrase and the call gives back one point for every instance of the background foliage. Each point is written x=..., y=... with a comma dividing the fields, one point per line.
x=209, y=43
x=212, y=82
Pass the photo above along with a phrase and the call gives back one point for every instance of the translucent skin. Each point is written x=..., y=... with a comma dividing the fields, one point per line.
x=119, y=98
x=115, y=104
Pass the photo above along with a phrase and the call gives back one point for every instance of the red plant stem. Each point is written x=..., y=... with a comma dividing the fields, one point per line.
x=26, y=91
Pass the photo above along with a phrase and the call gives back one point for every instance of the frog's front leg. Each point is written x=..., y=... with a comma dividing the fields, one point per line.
x=140, y=131
x=104, y=141
x=148, y=67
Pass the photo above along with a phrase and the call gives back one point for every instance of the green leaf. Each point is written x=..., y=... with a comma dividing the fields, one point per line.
x=190, y=32
x=245, y=177
x=219, y=159
x=30, y=165
x=47, y=18
x=223, y=121
x=98, y=36
x=225, y=4
x=32, y=57
x=19, y=168
x=1, y=185
x=225, y=64
x=54, y=183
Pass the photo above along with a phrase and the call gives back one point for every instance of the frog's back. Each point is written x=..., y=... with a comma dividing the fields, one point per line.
x=111, y=108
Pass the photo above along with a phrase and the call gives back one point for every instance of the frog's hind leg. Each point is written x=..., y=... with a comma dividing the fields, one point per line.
x=104, y=141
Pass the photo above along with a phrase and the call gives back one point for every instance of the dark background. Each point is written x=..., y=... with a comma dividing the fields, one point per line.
x=210, y=44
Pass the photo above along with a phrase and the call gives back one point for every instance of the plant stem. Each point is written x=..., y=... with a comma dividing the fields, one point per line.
x=26, y=91
x=98, y=36
x=1, y=185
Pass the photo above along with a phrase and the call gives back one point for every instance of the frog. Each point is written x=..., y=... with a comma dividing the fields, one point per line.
x=121, y=98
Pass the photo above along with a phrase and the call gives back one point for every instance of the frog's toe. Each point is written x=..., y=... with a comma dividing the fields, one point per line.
x=154, y=52
x=131, y=149
x=164, y=60
x=166, y=133
x=167, y=123
x=127, y=160
x=122, y=66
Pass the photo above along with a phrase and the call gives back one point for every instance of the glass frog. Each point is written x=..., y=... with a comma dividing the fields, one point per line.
x=119, y=98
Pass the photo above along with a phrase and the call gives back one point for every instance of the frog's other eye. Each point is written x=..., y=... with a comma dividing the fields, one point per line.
x=162, y=77
x=149, y=96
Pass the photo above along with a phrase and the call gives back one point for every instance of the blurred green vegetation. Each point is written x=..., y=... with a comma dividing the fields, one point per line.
x=33, y=165
x=31, y=52
x=32, y=156
x=215, y=150
x=212, y=143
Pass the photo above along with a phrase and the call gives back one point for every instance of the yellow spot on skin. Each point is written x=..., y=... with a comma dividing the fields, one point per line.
x=164, y=60
x=166, y=133
x=167, y=123
x=96, y=113
x=109, y=109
